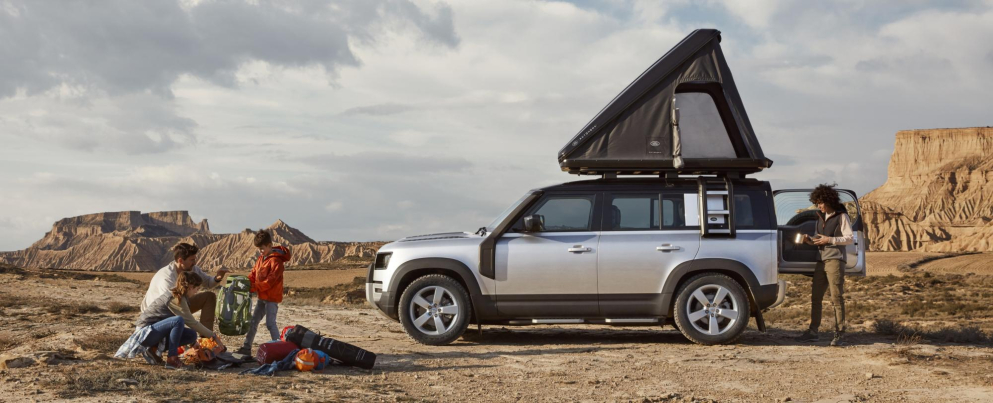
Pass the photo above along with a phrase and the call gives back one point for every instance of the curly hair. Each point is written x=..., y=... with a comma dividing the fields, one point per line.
x=826, y=194
x=185, y=282
x=184, y=250
x=262, y=238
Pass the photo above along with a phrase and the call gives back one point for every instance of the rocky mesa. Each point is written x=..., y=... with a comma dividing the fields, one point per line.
x=135, y=241
x=937, y=195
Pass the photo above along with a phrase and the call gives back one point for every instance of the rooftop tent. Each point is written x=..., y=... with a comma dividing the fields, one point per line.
x=682, y=115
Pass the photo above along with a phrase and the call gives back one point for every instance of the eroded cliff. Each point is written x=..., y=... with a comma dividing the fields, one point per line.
x=937, y=195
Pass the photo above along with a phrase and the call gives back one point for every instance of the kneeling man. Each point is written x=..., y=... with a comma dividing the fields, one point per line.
x=834, y=231
x=184, y=259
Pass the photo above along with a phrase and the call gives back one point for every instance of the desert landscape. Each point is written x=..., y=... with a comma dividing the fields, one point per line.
x=921, y=326
x=921, y=333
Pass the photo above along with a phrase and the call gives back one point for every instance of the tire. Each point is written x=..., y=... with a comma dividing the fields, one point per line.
x=422, y=318
x=728, y=318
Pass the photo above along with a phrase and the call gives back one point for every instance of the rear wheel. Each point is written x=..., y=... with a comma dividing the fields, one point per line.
x=435, y=310
x=712, y=309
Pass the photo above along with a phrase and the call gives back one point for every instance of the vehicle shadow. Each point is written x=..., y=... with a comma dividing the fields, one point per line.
x=551, y=335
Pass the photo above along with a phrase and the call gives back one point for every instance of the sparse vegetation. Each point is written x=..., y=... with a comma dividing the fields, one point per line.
x=72, y=308
x=117, y=307
x=344, y=263
x=8, y=341
x=946, y=334
x=174, y=384
x=350, y=294
x=911, y=266
x=107, y=342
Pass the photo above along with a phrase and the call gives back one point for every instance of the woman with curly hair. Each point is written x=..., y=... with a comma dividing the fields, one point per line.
x=834, y=231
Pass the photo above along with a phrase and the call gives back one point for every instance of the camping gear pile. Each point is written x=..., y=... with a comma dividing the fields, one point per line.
x=306, y=350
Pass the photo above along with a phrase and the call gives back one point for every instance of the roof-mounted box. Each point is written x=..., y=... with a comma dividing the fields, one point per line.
x=683, y=115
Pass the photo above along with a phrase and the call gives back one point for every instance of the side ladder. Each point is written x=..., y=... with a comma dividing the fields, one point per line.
x=716, y=211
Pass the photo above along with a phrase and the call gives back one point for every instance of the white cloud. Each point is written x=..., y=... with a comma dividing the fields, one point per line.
x=431, y=116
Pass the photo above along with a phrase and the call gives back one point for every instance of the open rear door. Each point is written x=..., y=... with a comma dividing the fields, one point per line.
x=796, y=215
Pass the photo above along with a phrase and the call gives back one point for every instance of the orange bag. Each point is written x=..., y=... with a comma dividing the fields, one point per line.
x=206, y=350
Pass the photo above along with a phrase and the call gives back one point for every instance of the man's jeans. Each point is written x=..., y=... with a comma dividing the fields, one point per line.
x=175, y=332
x=828, y=275
x=268, y=310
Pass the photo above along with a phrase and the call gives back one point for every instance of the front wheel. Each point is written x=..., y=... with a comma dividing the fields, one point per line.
x=435, y=310
x=712, y=309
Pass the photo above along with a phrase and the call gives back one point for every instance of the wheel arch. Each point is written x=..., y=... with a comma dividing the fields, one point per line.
x=416, y=268
x=687, y=270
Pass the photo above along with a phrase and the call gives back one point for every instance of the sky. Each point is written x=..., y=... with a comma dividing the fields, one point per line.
x=356, y=120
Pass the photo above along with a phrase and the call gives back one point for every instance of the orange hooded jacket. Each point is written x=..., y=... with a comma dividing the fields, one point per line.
x=267, y=275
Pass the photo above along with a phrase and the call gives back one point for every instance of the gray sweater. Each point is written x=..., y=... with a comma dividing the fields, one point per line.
x=166, y=307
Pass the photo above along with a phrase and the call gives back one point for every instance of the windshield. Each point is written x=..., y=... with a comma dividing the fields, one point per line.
x=505, y=213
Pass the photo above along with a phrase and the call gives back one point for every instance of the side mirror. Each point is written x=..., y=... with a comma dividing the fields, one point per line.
x=534, y=223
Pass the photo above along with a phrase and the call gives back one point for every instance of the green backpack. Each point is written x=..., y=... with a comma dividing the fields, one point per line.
x=234, y=306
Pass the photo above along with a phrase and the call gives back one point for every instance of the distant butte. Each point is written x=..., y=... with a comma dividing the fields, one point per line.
x=132, y=241
x=937, y=196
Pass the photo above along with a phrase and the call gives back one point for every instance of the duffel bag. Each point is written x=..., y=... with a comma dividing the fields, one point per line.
x=338, y=350
x=274, y=351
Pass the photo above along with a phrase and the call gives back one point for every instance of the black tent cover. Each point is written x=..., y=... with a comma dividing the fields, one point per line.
x=641, y=132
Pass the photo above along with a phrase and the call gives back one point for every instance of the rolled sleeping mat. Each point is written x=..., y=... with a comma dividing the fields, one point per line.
x=338, y=350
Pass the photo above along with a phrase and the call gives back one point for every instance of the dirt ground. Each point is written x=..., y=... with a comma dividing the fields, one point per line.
x=919, y=334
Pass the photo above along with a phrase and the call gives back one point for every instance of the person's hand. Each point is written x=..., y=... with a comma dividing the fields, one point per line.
x=822, y=240
x=220, y=274
x=217, y=339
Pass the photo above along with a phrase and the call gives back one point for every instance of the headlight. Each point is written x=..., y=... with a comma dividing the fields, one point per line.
x=382, y=260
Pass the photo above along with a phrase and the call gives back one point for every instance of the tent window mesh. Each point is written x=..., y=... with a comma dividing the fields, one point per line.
x=701, y=130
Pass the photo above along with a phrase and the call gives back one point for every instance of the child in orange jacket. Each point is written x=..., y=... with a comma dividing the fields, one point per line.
x=267, y=283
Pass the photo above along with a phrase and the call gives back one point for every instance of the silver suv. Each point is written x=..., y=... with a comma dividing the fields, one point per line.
x=628, y=252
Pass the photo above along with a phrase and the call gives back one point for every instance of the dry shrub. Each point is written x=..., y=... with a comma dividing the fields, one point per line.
x=908, y=339
x=887, y=327
x=10, y=301
x=117, y=307
x=102, y=342
x=42, y=334
x=72, y=308
x=966, y=334
x=8, y=341
x=349, y=294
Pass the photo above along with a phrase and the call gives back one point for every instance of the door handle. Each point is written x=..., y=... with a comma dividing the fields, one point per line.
x=666, y=248
x=579, y=249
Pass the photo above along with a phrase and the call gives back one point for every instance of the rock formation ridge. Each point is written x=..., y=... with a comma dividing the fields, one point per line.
x=132, y=241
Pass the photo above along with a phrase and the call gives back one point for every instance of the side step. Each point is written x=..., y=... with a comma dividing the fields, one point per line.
x=611, y=321
x=633, y=320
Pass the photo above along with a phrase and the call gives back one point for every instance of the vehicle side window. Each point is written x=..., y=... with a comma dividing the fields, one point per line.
x=673, y=213
x=631, y=212
x=566, y=213
x=750, y=210
x=743, y=213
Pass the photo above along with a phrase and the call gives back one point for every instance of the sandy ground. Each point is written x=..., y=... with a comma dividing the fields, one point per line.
x=542, y=363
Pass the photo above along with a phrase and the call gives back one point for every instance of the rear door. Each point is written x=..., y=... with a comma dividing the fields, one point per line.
x=796, y=215
x=642, y=239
